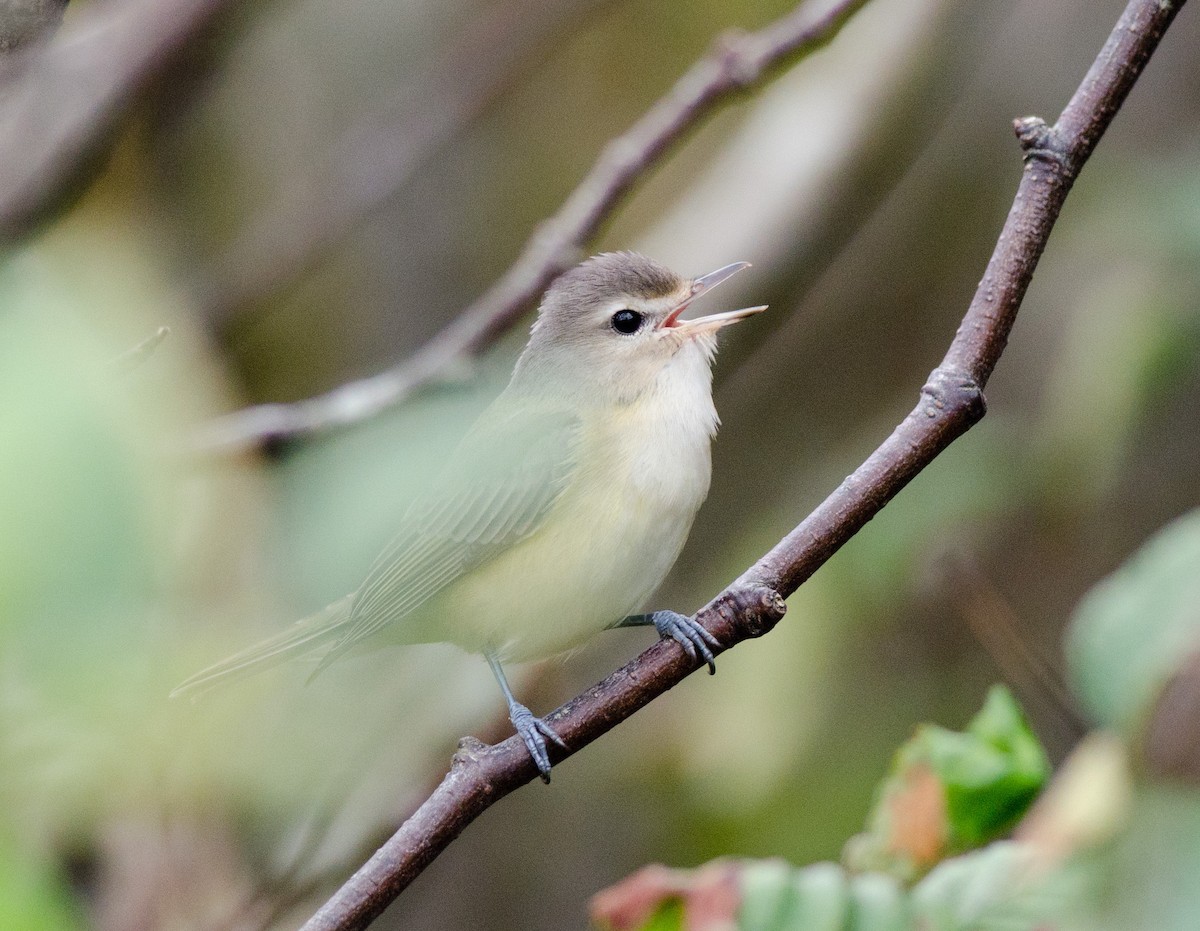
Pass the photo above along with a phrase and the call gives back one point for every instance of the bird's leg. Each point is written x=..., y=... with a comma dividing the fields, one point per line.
x=533, y=730
x=686, y=631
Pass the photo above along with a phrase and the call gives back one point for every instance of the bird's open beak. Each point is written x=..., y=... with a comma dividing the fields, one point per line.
x=713, y=321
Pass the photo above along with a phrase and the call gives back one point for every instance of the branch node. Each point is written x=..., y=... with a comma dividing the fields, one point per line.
x=469, y=751
x=730, y=51
x=951, y=390
x=1043, y=143
x=753, y=608
x=1032, y=132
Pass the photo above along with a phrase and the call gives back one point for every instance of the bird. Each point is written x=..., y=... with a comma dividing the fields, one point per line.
x=564, y=506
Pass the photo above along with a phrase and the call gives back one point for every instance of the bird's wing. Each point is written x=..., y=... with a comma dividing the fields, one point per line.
x=500, y=484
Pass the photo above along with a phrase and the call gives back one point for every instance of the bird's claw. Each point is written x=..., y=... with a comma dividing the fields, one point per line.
x=689, y=634
x=534, y=731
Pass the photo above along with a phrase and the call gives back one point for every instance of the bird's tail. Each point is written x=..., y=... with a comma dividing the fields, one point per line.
x=303, y=637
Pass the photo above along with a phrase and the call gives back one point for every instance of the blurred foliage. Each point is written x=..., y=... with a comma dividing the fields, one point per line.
x=973, y=891
x=867, y=186
x=32, y=894
x=1134, y=630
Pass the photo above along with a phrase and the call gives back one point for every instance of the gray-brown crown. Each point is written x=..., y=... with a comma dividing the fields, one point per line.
x=604, y=276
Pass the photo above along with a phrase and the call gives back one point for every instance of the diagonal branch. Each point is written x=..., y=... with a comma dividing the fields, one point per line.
x=951, y=403
x=736, y=62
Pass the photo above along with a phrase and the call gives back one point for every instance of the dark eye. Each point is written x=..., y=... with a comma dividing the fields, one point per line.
x=626, y=321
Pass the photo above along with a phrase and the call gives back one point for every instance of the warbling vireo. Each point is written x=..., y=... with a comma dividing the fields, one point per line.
x=565, y=505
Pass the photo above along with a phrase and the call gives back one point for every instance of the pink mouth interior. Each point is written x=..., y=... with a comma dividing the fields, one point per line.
x=673, y=316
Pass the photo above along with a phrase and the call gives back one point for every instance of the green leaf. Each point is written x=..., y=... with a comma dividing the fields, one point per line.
x=950, y=791
x=878, y=903
x=1147, y=878
x=821, y=897
x=992, y=773
x=1135, y=627
x=768, y=895
x=822, y=901
x=990, y=888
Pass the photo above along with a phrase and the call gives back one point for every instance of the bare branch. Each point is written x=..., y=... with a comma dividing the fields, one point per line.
x=379, y=157
x=736, y=62
x=951, y=403
x=57, y=114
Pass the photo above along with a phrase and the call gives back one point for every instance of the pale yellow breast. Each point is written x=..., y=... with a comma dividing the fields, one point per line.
x=609, y=540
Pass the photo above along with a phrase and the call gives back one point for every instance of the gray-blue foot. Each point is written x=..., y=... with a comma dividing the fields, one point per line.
x=534, y=731
x=689, y=634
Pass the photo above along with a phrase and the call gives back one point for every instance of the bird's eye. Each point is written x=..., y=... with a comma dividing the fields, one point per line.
x=626, y=321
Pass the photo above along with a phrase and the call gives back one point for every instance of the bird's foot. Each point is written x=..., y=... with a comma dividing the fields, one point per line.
x=534, y=731
x=689, y=634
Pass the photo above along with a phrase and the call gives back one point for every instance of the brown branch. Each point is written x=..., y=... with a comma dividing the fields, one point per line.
x=58, y=112
x=378, y=157
x=951, y=402
x=736, y=62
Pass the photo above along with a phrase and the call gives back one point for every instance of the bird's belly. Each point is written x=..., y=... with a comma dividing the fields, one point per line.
x=597, y=558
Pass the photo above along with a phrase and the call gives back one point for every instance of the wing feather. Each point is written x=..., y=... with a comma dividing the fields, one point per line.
x=503, y=480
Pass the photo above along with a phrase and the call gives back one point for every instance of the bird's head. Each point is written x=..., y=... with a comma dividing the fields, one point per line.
x=613, y=324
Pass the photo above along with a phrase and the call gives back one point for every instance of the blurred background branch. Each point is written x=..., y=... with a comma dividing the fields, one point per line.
x=999, y=631
x=59, y=110
x=23, y=22
x=735, y=63
x=951, y=403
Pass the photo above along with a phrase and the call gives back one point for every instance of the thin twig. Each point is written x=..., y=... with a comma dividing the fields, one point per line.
x=998, y=629
x=56, y=116
x=379, y=156
x=133, y=357
x=951, y=403
x=736, y=62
